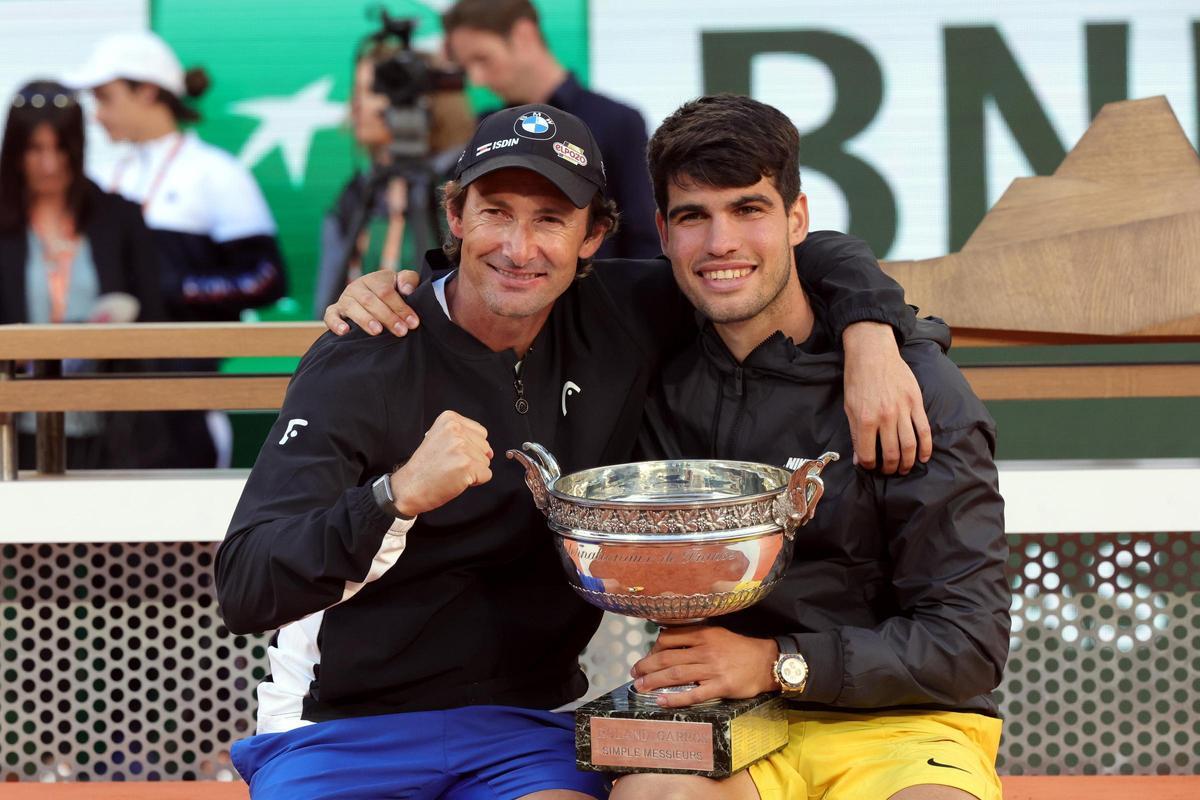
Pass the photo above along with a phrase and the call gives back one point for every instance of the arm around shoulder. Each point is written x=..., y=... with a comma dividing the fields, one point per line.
x=843, y=271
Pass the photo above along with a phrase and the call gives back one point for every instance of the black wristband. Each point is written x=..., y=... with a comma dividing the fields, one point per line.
x=381, y=490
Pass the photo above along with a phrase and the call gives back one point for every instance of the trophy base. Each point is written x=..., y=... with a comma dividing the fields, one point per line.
x=615, y=733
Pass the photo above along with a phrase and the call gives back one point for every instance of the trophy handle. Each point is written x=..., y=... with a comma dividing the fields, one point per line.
x=541, y=471
x=797, y=504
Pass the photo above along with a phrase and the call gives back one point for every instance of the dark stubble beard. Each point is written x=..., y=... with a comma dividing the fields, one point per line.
x=758, y=304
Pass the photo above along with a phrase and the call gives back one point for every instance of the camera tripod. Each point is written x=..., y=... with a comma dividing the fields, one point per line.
x=420, y=212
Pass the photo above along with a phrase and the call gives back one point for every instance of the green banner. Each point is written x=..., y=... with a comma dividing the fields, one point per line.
x=281, y=76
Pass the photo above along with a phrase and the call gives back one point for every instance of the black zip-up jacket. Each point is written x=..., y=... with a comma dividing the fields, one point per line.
x=471, y=606
x=896, y=595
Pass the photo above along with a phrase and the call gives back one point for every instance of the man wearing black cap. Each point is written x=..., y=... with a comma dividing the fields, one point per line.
x=535, y=133
x=425, y=628
x=500, y=45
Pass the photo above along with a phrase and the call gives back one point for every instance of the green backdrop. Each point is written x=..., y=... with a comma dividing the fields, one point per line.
x=300, y=52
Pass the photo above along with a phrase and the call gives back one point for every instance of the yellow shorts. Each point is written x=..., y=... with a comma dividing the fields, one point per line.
x=844, y=756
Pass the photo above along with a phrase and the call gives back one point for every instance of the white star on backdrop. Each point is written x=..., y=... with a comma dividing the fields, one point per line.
x=289, y=124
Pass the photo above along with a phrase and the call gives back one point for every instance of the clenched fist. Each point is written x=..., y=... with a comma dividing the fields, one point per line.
x=454, y=457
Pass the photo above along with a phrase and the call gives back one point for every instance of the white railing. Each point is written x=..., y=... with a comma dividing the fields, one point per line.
x=1040, y=497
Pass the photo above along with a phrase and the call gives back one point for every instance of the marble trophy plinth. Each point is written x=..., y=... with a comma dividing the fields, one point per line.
x=615, y=734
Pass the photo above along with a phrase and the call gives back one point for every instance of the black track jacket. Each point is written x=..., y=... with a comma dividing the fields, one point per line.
x=471, y=605
x=896, y=595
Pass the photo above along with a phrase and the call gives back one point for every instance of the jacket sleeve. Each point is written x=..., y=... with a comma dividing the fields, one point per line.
x=306, y=530
x=248, y=273
x=843, y=272
x=949, y=640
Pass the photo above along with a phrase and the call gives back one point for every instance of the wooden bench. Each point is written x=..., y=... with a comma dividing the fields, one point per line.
x=49, y=393
x=149, y=392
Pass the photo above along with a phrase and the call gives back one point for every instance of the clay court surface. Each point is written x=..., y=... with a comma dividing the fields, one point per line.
x=1015, y=788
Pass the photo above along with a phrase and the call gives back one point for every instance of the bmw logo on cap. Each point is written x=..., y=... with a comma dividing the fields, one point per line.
x=534, y=125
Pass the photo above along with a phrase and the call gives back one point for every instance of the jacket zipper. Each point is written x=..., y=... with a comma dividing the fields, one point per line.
x=716, y=416
x=522, y=405
x=739, y=392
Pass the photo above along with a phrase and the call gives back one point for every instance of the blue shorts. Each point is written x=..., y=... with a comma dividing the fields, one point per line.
x=472, y=753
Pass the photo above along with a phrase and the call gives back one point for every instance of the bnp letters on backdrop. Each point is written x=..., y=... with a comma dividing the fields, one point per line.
x=914, y=118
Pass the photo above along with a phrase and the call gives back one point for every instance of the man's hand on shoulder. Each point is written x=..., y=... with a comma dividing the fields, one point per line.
x=454, y=456
x=724, y=664
x=883, y=401
x=375, y=302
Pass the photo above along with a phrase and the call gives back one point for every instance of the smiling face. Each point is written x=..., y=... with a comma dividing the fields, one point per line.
x=731, y=249
x=521, y=243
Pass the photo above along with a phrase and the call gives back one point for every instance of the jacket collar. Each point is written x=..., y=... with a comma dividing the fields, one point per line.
x=813, y=361
x=437, y=261
x=445, y=330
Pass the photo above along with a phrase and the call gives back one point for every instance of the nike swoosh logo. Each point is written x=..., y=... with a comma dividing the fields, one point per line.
x=933, y=763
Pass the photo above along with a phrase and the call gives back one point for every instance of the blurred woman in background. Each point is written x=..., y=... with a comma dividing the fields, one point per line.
x=403, y=211
x=69, y=252
x=214, y=232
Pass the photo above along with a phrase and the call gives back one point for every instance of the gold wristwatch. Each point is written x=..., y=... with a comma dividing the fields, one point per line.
x=791, y=671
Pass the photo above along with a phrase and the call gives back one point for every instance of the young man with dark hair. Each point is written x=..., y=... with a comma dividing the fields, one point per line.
x=890, y=628
x=500, y=45
x=425, y=629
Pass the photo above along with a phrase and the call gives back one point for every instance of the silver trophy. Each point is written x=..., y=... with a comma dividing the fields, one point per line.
x=675, y=542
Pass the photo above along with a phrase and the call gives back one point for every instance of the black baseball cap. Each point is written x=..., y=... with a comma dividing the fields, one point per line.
x=552, y=143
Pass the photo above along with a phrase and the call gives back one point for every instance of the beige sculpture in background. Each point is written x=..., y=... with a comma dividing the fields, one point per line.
x=1108, y=246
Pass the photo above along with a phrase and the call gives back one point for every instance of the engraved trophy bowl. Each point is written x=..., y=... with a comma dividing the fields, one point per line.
x=675, y=542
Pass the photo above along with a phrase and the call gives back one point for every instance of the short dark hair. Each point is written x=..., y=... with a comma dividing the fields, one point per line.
x=494, y=16
x=39, y=103
x=602, y=211
x=725, y=141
